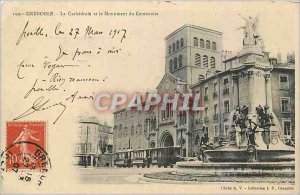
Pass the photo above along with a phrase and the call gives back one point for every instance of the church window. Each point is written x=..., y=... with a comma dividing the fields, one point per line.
x=212, y=62
x=205, y=61
x=181, y=42
x=180, y=61
x=197, y=59
x=201, y=43
x=207, y=44
x=195, y=42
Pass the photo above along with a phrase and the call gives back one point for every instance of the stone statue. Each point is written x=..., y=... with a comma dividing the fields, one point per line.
x=240, y=119
x=240, y=116
x=251, y=32
x=251, y=133
x=265, y=119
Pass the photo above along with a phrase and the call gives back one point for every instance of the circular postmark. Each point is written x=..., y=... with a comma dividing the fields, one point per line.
x=29, y=161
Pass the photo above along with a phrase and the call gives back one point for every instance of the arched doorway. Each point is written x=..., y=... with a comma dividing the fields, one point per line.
x=167, y=140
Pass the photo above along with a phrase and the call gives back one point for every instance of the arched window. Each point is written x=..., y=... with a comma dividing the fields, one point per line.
x=170, y=49
x=181, y=42
x=197, y=59
x=171, y=65
x=177, y=45
x=207, y=44
x=180, y=61
x=212, y=62
x=205, y=61
x=175, y=63
x=152, y=144
x=195, y=41
x=201, y=43
x=214, y=46
x=173, y=47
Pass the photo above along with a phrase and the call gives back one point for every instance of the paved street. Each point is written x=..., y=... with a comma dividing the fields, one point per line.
x=113, y=175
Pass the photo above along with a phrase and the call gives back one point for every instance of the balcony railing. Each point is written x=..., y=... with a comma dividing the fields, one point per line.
x=225, y=91
x=206, y=98
x=216, y=94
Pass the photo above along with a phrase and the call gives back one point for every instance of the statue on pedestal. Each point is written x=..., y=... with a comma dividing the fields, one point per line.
x=251, y=32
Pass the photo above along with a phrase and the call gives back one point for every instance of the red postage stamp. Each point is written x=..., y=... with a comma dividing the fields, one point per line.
x=26, y=145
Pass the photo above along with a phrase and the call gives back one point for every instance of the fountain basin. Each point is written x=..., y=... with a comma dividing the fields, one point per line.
x=242, y=155
x=233, y=168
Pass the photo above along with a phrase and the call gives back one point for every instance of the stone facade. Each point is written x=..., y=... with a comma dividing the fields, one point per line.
x=133, y=129
x=94, y=139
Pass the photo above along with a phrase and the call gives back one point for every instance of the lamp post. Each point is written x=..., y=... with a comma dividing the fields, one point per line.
x=86, y=146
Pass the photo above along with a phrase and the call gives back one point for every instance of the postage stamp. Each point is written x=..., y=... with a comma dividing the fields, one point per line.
x=26, y=145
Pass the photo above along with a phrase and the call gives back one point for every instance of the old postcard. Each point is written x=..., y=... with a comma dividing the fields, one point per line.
x=149, y=97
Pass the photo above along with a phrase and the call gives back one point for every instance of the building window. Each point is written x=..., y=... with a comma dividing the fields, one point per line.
x=214, y=46
x=226, y=127
x=125, y=131
x=207, y=44
x=170, y=49
x=284, y=82
x=175, y=63
x=215, y=87
x=212, y=62
x=206, y=91
x=226, y=106
x=182, y=118
x=285, y=105
x=195, y=41
x=181, y=42
x=287, y=129
x=226, y=83
x=153, y=124
x=171, y=65
x=177, y=45
x=201, y=43
x=205, y=61
x=215, y=109
x=206, y=111
x=173, y=47
x=180, y=61
x=216, y=130
x=197, y=59
x=226, y=86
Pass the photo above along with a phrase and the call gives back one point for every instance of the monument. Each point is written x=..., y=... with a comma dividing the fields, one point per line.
x=255, y=144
